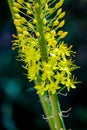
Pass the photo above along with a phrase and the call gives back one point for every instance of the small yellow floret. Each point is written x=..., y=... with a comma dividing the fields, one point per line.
x=34, y=21
x=20, y=1
x=56, y=22
x=61, y=15
x=44, y=21
x=61, y=23
x=41, y=15
x=60, y=32
x=59, y=4
x=52, y=87
x=63, y=34
x=50, y=10
x=19, y=29
x=37, y=34
x=17, y=16
x=20, y=35
x=46, y=7
x=29, y=12
x=47, y=29
x=25, y=32
x=40, y=89
x=59, y=11
x=22, y=20
x=30, y=25
x=17, y=5
x=16, y=22
x=15, y=9
x=28, y=5
x=45, y=1
x=37, y=5
x=53, y=32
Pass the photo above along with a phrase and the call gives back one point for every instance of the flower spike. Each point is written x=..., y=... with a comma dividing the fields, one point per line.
x=41, y=46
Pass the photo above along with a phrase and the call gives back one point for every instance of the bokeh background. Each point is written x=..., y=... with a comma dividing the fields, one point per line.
x=20, y=107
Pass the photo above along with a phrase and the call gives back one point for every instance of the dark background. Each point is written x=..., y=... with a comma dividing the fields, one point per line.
x=20, y=107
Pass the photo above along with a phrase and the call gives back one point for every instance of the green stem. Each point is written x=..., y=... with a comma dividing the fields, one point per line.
x=10, y=3
x=47, y=110
x=40, y=29
x=59, y=124
x=46, y=106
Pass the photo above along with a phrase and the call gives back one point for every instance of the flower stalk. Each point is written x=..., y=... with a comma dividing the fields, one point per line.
x=40, y=30
x=59, y=123
x=47, y=58
x=48, y=112
x=10, y=3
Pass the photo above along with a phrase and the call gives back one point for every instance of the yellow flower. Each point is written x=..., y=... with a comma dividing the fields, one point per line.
x=33, y=71
x=52, y=87
x=47, y=71
x=40, y=89
x=40, y=45
x=70, y=83
x=61, y=24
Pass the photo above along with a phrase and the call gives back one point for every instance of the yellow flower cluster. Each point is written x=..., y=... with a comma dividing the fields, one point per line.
x=46, y=56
